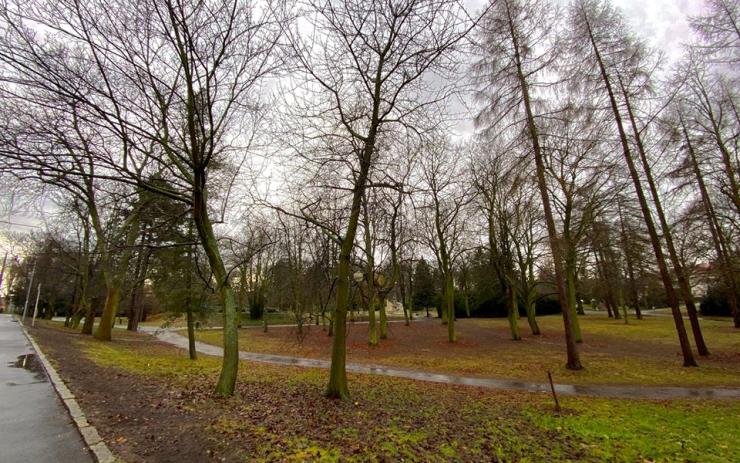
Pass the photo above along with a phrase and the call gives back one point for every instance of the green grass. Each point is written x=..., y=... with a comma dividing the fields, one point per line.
x=132, y=361
x=276, y=411
x=638, y=431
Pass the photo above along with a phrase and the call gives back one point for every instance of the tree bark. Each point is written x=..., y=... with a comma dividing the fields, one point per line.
x=683, y=283
x=570, y=279
x=573, y=358
x=513, y=313
x=688, y=356
x=449, y=308
x=630, y=265
x=230, y=363
x=189, y=297
x=715, y=229
x=383, y=319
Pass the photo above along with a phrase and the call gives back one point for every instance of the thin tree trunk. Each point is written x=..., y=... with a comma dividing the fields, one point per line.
x=112, y=301
x=383, y=319
x=404, y=300
x=337, y=387
x=609, y=282
x=573, y=359
x=142, y=267
x=683, y=283
x=449, y=308
x=630, y=265
x=372, y=323
x=513, y=312
x=114, y=278
x=230, y=363
x=570, y=279
x=189, y=296
x=369, y=276
x=715, y=229
x=688, y=356
x=602, y=278
x=531, y=306
x=85, y=308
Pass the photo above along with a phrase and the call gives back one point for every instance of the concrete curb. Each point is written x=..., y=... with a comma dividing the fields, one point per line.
x=90, y=435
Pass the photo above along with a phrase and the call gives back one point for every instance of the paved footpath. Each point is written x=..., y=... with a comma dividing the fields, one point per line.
x=34, y=425
x=625, y=392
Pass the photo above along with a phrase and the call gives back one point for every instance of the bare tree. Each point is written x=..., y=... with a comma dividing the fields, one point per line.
x=366, y=70
x=517, y=50
x=719, y=30
x=598, y=34
x=167, y=81
x=442, y=215
x=581, y=176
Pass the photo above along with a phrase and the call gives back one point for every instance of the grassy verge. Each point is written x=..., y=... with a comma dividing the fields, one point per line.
x=279, y=414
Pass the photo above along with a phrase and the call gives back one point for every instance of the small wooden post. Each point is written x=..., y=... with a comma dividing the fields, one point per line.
x=554, y=395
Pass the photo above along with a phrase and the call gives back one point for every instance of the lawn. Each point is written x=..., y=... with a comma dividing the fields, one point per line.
x=148, y=400
x=641, y=352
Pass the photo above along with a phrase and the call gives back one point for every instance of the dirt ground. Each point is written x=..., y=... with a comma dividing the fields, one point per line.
x=140, y=420
x=279, y=413
x=150, y=403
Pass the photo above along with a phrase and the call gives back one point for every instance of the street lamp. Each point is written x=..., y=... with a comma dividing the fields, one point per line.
x=358, y=277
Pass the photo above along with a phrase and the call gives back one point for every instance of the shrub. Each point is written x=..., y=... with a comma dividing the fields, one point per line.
x=716, y=302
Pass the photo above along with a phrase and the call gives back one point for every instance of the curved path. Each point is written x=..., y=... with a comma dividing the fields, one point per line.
x=624, y=392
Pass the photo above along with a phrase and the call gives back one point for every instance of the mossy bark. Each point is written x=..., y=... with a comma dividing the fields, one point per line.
x=513, y=313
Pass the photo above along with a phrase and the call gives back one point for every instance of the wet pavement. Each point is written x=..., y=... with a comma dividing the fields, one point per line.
x=34, y=425
x=626, y=392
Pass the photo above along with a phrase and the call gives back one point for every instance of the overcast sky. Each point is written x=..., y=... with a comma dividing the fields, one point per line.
x=662, y=22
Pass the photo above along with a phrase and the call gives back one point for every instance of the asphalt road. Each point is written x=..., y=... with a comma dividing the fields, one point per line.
x=34, y=425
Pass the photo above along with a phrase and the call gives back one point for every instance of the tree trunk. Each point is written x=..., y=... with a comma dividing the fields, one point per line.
x=112, y=301
x=630, y=265
x=87, y=326
x=688, y=357
x=189, y=297
x=372, y=323
x=85, y=308
x=530, y=302
x=383, y=319
x=230, y=363
x=449, y=309
x=570, y=279
x=602, y=265
x=191, y=332
x=115, y=275
x=404, y=300
x=715, y=229
x=337, y=387
x=573, y=359
x=683, y=283
x=513, y=312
